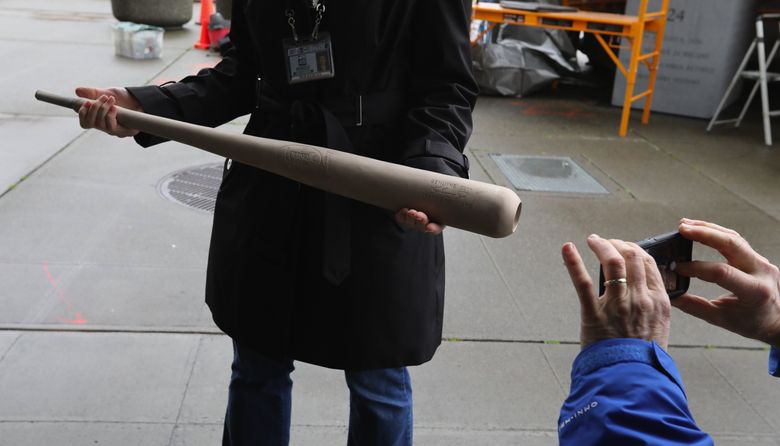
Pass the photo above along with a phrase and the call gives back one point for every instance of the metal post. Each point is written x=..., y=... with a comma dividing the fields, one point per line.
x=763, y=78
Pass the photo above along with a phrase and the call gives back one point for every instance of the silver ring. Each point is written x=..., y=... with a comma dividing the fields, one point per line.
x=621, y=281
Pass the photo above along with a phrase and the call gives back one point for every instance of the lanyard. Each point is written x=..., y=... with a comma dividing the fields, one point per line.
x=319, y=13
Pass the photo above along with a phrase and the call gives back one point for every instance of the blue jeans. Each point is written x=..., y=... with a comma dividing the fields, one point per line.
x=260, y=403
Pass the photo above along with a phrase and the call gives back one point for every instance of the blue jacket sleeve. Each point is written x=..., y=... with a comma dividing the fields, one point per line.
x=774, y=362
x=627, y=391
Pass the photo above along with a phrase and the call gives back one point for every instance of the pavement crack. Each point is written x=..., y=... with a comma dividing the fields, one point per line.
x=166, y=67
x=738, y=392
x=11, y=346
x=564, y=391
x=24, y=177
x=503, y=280
x=708, y=177
x=194, y=356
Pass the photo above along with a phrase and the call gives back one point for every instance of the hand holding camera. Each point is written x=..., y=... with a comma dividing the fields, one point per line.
x=634, y=303
x=752, y=306
x=629, y=304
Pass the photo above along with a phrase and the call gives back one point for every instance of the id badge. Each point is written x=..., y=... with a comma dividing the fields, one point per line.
x=308, y=59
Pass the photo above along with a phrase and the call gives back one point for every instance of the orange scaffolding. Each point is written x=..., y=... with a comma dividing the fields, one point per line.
x=609, y=29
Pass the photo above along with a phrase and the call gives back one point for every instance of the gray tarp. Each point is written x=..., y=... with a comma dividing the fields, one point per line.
x=523, y=60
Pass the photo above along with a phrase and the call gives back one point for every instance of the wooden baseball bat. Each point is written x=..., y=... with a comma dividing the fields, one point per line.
x=471, y=205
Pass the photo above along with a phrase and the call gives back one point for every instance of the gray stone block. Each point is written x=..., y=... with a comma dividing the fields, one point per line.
x=25, y=148
x=106, y=377
x=746, y=372
x=84, y=433
x=196, y=435
x=718, y=407
x=486, y=386
x=7, y=339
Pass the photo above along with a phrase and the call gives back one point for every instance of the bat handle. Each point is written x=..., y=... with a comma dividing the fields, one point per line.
x=71, y=103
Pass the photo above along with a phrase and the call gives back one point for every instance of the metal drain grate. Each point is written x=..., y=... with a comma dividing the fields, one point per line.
x=195, y=187
x=547, y=174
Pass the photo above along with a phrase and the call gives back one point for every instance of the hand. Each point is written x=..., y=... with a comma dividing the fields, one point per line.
x=101, y=112
x=752, y=308
x=638, y=308
x=418, y=220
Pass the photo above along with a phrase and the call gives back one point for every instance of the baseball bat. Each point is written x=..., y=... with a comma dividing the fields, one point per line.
x=470, y=205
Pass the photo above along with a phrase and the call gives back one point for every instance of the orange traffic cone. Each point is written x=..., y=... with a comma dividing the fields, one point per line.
x=206, y=9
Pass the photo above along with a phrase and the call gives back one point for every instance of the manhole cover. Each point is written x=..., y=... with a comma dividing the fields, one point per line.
x=195, y=187
x=547, y=174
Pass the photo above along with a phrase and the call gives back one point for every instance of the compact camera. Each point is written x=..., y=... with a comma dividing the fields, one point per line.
x=667, y=250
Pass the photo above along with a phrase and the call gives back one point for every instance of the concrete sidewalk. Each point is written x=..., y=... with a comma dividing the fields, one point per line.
x=104, y=337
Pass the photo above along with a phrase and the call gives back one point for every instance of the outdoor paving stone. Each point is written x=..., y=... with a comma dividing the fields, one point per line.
x=545, y=115
x=120, y=377
x=560, y=357
x=190, y=63
x=25, y=147
x=121, y=161
x=716, y=405
x=499, y=437
x=478, y=303
x=483, y=151
x=320, y=396
x=653, y=176
x=82, y=22
x=670, y=128
x=57, y=26
x=486, y=386
x=34, y=64
x=71, y=5
x=746, y=440
x=746, y=170
x=746, y=371
x=81, y=222
x=126, y=297
x=32, y=289
x=84, y=433
x=631, y=166
x=7, y=339
x=207, y=392
x=197, y=435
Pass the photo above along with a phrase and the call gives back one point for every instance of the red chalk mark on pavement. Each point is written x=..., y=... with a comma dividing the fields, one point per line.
x=548, y=110
x=78, y=319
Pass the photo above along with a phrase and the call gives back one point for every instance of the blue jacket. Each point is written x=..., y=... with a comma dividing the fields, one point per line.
x=627, y=392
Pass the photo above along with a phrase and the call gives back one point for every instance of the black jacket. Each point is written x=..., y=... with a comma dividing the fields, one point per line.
x=406, y=64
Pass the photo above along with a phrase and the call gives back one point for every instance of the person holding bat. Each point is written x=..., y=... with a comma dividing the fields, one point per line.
x=296, y=274
x=626, y=389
